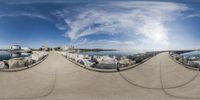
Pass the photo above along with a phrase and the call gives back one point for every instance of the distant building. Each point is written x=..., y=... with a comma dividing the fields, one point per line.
x=71, y=49
x=65, y=48
x=26, y=49
x=15, y=47
x=45, y=48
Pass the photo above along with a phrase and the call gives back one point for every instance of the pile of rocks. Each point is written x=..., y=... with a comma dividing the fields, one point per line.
x=189, y=61
x=86, y=62
x=124, y=61
x=22, y=62
x=81, y=59
x=3, y=65
x=102, y=62
x=106, y=62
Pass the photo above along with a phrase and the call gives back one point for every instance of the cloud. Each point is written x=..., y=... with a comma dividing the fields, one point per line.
x=192, y=15
x=112, y=44
x=28, y=14
x=23, y=2
x=147, y=19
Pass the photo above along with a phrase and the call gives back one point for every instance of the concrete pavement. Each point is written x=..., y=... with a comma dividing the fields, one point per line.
x=56, y=78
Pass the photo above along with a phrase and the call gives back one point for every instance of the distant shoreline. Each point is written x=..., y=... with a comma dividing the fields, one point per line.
x=4, y=49
x=95, y=50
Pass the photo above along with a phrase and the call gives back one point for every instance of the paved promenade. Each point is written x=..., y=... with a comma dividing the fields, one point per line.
x=56, y=78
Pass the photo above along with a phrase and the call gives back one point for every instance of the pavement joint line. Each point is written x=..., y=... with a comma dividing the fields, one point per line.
x=173, y=87
x=35, y=97
x=45, y=95
x=171, y=95
x=138, y=85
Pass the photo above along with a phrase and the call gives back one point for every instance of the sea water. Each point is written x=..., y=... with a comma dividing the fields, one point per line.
x=192, y=54
x=6, y=55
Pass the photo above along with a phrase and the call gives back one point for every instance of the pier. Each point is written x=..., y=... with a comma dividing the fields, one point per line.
x=159, y=78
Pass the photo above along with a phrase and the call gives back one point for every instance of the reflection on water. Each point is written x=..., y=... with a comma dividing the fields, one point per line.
x=192, y=54
x=15, y=55
x=6, y=55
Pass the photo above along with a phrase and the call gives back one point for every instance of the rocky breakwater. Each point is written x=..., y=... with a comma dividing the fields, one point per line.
x=105, y=62
x=25, y=62
x=192, y=62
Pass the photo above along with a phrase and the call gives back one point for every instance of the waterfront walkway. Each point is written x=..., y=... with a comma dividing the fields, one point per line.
x=56, y=78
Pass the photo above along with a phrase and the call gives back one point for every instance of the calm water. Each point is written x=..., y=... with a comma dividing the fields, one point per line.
x=109, y=53
x=5, y=55
x=192, y=54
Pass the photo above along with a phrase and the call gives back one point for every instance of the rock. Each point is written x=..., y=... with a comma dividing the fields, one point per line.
x=28, y=61
x=194, y=64
x=35, y=57
x=107, y=62
x=126, y=62
x=89, y=63
x=16, y=63
x=6, y=64
x=80, y=56
x=2, y=65
x=99, y=59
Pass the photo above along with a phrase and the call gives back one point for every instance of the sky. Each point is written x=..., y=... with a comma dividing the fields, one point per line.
x=123, y=25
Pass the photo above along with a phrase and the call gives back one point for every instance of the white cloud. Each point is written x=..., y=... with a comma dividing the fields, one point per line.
x=21, y=2
x=145, y=19
x=112, y=44
x=29, y=14
x=192, y=15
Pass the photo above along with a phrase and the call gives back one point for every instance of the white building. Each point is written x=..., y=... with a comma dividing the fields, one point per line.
x=26, y=49
x=15, y=47
x=65, y=48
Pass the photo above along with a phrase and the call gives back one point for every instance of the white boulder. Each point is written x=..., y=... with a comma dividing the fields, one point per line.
x=107, y=62
x=35, y=57
x=86, y=62
x=28, y=61
x=16, y=63
x=2, y=65
x=126, y=62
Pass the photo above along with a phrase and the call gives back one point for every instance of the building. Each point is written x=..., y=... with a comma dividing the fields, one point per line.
x=45, y=48
x=28, y=50
x=65, y=48
x=71, y=49
x=15, y=47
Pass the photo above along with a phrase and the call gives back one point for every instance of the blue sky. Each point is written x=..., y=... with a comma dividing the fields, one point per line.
x=128, y=25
